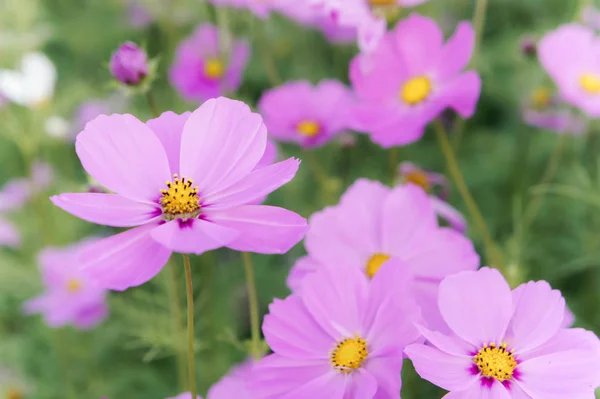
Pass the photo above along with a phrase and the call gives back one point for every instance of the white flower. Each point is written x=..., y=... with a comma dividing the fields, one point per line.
x=57, y=127
x=32, y=84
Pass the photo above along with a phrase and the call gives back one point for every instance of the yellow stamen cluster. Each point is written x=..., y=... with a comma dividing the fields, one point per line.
x=308, y=128
x=349, y=354
x=590, y=83
x=14, y=394
x=375, y=262
x=416, y=90
x=180, y=200
x=73, y=285
x=541, y=97
x=214, y=68
x=419, y=178
x=496, y=361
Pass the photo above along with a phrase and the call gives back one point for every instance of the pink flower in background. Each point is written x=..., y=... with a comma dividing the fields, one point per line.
x=72, y=296
x=185, y=183
x=545, y=110
x=202, y=69
x=340, y=338
x=374, y=223
x=411, y=78
x=234, y=384
x=307, y=115
x=590, y=16
x=506, y=344
x=138, y=15
x=428, y=181
x=90, y=109
x=129, y=64
x=569, y=54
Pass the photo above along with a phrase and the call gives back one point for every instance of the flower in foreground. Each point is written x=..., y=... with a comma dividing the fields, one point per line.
x=374, y=223
x=185, y=181
x=411, y=78
x=411, y=173
x=340, y=338
x=307, y=115
x=72, y=296
x=32, y=85
x=569, y=55
x=506, y=344
x=203, y=68
x=129, y=64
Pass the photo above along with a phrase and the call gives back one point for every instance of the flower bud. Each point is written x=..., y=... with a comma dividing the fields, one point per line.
x=129, y=64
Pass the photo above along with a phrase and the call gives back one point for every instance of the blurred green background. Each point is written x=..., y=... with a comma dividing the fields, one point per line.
x=133, y=353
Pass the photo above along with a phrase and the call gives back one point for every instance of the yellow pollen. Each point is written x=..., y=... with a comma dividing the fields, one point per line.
x=180, y=200
x=73, y=285
x=590, y=83
x=419, y=178
x=541, y=97
x=416, y=90
x=382, y=2
x=374, y=263
x=214, y=68
x=308, y=128
x=14, y=394
x=495, y=361
x=349, y=354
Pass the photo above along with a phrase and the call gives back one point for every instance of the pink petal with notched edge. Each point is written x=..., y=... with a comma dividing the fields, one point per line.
x=452, y=345
x=270, y=155
x=222, y=142
x=262, y=229
x=168, y=127
x=457, y=51
x=566, y=339
x=125, y=156
x=418, y=41
x=538, y=314
x=477, y=306
x=462, y=93
x=361, y=385
x=331, y=385
x=290, y=331
x=125, y=260
x=302, y=268
x=107, y=209
x=446, y=371
x=253, y=185
x=193, y=235
x=386, y=371
x=477, y=391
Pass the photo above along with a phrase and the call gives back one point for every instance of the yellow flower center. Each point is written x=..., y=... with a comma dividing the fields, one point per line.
x=495, y=361
x=416, y=90
x=14, y=394
x=377, y=3
x=374, y=263
x=590, y=83
x=180, y=200
x=419, y=178
x=308, y=128
x=214, y=68
x=541, y=97
x=73, y=285
x=349, y=354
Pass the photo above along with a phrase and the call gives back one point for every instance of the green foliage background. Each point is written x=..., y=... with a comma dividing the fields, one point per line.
x=133, y=354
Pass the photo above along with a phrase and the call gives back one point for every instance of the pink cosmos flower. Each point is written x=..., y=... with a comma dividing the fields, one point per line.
x=506, y=344
x=340, y=338
x=203, y=69
x=374, y=223
x=545, y=110
x=411, y=173
x=590, y=16
x=411, y=78
x=233, y=385
x=578, y=74
x=72, y=296
x=310, y=116
x=185, y=181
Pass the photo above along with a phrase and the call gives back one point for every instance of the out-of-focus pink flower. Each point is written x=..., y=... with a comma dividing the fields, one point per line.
x=72, y=296
x=529, y=46
x=129, y=64
x=204, y=69
x=590, y=16
x=90, y=109
x=411, y=78
x=374, y=223
x=545, y=110
x=138, y=15
x=208, y=160
x=569, y=54
x=506, y=344
x=341, y=337
x=307, y=115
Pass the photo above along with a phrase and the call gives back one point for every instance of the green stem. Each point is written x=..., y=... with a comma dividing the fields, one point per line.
x=266, y=56
x=493, y=254
x=393, y=163
x=190, y=324
x=177, y=326
x=255, y=348
x=479, y=20
x=152, y=103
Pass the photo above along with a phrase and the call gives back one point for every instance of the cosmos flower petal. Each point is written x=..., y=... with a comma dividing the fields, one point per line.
x=457, y=51
x=107, y=209
x=302, y=268
x=125, y=156
x=419, y=41
x=126, y=259
x=387, y=371
x=462, y=93
x=453, y=373
x=448, y=344
x=240, y=53
x=566, y=339
x=89, y=317
x=570, y=374
x=538, y=314
x=9, y=234
x=477, y=306
x=222, y=142
x=362, y=385
x=448, y=213
x=476, y=391
x=329, y=385
x=262, y=229
x=256, y=184
x=193, y=235
x=168, y=127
